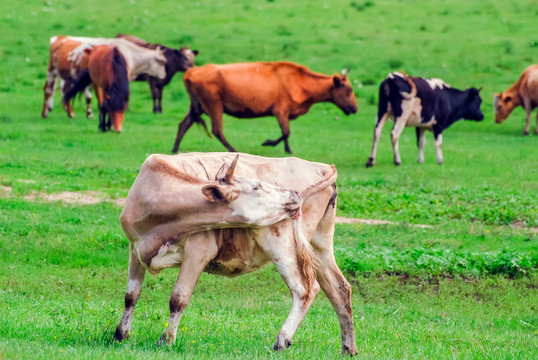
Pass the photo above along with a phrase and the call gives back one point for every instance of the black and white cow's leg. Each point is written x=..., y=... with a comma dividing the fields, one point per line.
x=88, y=96
x=132, y=295
x=438, y=146
x=285, y=259
x=421, y=141
x=399, y=125
x=377, y=134
x=200, y=248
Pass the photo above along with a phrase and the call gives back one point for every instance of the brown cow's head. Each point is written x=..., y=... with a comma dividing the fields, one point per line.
x=252, y=201
x=503, y=105
x=342, y=94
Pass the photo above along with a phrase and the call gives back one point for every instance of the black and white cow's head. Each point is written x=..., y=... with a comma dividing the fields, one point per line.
x=472, y=104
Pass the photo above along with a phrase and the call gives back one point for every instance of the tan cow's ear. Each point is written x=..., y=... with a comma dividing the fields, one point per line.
x=220, y=173
x=222, y=194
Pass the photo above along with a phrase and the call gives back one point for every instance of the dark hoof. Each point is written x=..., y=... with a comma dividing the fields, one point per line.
x=525, y=133
x=370, y=162
x=284, y=346
x=268, y=143
x=348, y=351
x=119, y=335
x=397, y=163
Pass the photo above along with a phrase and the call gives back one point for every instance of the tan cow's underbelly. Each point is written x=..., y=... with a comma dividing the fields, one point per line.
x=238, y=254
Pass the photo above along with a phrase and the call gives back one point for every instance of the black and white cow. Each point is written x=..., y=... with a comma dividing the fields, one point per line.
x=426, y=104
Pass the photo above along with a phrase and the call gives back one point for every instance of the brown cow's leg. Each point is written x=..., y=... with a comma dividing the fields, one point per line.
x=528, y=110
x=49, y=89
x=65, y=86
x=284, y=123
x=200, y=248
x=536, y=128
x=215, y=113
x=184, y=125
x=134, y=287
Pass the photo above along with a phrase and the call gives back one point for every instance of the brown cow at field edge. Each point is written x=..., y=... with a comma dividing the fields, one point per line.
x=248, y=90
x=523, y=92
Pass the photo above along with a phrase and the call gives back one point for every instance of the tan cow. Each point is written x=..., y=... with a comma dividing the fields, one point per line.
x=233, y=240
x=523, y=92
x=69, y=55
x=249, y=90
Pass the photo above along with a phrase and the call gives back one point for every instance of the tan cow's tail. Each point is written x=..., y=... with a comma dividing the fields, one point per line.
x=329, y=178
x=305, y=259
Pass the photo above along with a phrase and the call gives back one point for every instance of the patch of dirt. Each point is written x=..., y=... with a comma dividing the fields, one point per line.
x=346, y=220
x=71, y=197
x=5, y=191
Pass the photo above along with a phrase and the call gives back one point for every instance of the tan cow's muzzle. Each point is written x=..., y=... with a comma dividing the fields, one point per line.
x=293, y=207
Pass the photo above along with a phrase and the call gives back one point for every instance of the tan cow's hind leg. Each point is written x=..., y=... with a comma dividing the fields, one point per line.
x=338, y=290
x=200, y=248
x=132, y=295
x=331, y=280
x=285, y=259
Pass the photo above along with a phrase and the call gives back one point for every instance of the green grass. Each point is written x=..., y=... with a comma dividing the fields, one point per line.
x=465, y=288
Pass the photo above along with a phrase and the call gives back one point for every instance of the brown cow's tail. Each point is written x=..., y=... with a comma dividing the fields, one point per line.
x=306, y=259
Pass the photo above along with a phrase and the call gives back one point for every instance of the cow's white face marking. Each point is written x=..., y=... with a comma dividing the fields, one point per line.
x=263, y=204
x=437, y=83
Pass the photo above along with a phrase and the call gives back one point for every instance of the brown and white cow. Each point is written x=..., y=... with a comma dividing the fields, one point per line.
x=523, y=92
x=206, y=231
x=69, y=56
x=248, y=90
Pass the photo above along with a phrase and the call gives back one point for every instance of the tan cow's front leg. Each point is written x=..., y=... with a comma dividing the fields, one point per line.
x=132, y=294
x=282, y=253
x=200, y=248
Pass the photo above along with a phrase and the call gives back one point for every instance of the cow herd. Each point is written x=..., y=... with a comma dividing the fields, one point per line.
x=247, y=90
x=231, y=214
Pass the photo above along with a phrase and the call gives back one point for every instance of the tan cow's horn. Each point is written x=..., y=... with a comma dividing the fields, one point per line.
x=230, y=173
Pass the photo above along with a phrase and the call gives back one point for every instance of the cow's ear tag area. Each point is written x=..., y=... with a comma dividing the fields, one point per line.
x=222, y=194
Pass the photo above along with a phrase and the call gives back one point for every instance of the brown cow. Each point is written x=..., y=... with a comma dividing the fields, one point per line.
x=161, y=221
x=248, y=90
x=523, y=92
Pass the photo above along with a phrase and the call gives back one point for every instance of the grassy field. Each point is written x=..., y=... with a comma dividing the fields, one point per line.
x=465, y=287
